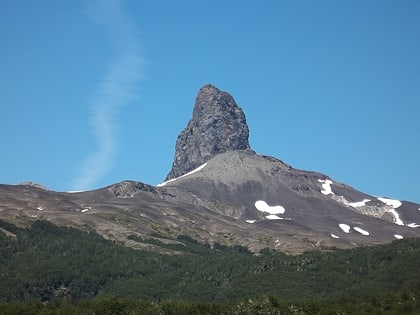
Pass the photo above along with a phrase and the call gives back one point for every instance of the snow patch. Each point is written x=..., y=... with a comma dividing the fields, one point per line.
x=85, y=210
x=413, y=225
x=390, y=202
x=273, y=217
x=74, y=191
x=398, y=236
x=40, y=208
x=262, y=206
x=397, y=217
x=394, y=204
x=344, y=227
x=360, y=230
x=250, y=221
x=359, y=203
x=326, y=186
x=189, y=173
x=334, y=236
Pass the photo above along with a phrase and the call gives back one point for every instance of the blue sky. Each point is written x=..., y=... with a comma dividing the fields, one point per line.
x=95, y=92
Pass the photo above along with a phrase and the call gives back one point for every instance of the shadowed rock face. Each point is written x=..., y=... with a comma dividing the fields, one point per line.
x=218, y=125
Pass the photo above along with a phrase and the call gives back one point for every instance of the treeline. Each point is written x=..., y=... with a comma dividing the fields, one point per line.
x=48, y=268
x=390, y=304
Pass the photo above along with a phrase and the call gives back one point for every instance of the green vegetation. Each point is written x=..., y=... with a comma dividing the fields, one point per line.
x=48, y=269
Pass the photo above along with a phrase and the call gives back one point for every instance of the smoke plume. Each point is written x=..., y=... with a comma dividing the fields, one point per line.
x=117, y=88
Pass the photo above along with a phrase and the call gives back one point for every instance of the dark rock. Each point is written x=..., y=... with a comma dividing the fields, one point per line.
x=128, y=189
x=218, y=125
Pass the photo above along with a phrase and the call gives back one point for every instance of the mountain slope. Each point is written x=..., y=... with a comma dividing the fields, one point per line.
x=44, y=262
x=223, y=202
x=220, y=191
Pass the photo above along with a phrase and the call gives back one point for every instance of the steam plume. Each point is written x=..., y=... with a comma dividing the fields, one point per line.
x=118, y=88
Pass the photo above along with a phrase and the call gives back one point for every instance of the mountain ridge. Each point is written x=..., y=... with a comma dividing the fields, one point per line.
x=220, y=191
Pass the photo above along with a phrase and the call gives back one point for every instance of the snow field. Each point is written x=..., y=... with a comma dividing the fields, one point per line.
x=189, y=173
x=390, y=202
x=262, y=206
x=359, y=203
x=344, y=227
x=327, y=190
x=360, y=230
x=326, y=186
x=397, y=217
x=413, y=225
x=273, y=217
x=272, y=211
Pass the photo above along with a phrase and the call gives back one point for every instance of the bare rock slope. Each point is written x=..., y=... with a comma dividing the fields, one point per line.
x=219, y=190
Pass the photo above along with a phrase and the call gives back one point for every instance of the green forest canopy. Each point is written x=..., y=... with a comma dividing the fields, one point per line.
x=47, y=263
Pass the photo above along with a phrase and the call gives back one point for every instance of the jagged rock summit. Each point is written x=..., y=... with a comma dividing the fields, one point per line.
x=217, y=125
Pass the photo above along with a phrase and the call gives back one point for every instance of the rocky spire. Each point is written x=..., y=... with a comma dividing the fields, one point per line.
x=218, y=125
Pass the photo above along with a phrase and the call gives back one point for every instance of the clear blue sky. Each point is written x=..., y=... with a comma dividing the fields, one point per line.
x=95, y=92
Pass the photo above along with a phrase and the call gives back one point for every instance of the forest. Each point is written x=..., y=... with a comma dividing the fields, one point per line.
x=47, y=269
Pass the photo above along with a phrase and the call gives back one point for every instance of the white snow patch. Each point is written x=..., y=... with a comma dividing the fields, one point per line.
x=250, y=221
x=359, y=203
x=397, y=217
x=390, y=202
x=413, y=225
x=40, y=208
x=186, y=174
x=168, y=181
x=194, y=171
x=326, y=186
x=334, y=236
x=344, y=227
x=360, y=230
x=85, y=210
x=398, y=236
x=74, y=191
x=261, y=205
x=273, y=217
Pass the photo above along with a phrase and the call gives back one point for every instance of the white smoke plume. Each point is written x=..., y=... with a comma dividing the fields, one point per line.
x=118, y=88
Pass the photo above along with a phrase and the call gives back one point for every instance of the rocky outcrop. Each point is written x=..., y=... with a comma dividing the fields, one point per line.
x=218, y=125
x=29, y=183
x=128, y=189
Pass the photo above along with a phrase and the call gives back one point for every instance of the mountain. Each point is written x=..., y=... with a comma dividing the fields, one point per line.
x=220, y=191
x=218, y=125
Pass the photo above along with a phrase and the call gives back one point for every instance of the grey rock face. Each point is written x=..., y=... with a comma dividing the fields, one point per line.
x=218, y=125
